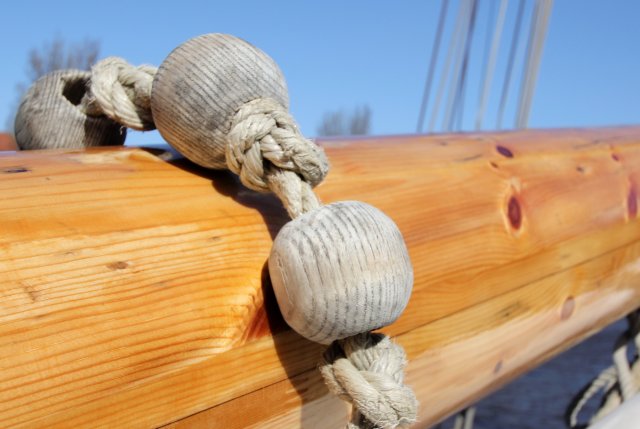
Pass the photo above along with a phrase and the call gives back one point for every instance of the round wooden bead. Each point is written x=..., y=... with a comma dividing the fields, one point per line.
x=200, y=86
x=340, y=270
x=49, y=115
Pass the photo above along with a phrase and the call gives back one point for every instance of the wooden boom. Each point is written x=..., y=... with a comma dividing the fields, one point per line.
x=134, y=290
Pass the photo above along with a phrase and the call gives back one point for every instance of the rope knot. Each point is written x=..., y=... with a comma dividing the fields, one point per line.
x=122, y=92
x=367, y=370
x=263, y=130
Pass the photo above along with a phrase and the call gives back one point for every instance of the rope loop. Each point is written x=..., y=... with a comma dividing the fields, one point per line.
x=618, y=383
x=122, y=92
x=367, y=371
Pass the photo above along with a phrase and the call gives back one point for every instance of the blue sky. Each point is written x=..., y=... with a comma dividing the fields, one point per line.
x=341, y=54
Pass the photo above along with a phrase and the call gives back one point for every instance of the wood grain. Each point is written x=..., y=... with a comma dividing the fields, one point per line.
x=134, y=291
x=340, y=270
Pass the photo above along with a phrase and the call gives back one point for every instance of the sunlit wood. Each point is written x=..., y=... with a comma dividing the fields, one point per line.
x=134, y=291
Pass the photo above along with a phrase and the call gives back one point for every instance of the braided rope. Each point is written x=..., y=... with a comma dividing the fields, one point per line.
x=367, y=371
x=121, y=92
x=619, y=382
x=265, y=148
x=262, y=130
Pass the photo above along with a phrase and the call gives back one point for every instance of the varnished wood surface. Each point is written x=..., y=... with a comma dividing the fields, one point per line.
x=134, y=291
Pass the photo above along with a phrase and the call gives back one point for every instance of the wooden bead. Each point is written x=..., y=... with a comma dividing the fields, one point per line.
x=340, y=270
x=199, y=87
x=49, y=116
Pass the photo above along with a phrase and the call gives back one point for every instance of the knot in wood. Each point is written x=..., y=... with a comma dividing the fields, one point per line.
x=121, y=92
x=367, y=371
x=262, y=130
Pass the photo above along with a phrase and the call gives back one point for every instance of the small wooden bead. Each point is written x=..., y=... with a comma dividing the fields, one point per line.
x=340, y=270
x=49, y=116
x=200, y=86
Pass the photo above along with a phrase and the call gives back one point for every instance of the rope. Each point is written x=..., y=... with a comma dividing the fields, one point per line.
x=367, y=371
x=122, y=92
x=262, y=130
x=264, y=147
x=266, y=150
x=465, y=419
x=619, y=382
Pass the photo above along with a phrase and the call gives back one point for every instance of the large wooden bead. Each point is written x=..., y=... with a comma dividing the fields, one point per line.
x=202, y=84
x=50, y=117
x=340, y=270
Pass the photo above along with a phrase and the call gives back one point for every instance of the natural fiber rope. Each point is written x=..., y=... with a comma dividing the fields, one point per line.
x=262, y=130
x=367, y=371
x=619, y=382
x=121, y=92
x=268, y=152
x=265, y=147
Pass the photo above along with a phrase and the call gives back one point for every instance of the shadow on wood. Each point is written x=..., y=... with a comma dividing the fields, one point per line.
x=134, y=291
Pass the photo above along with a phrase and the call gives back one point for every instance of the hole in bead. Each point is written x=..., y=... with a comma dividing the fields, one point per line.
x=74, y=90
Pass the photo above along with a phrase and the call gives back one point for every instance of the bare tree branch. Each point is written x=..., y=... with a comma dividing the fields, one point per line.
x=52, y=56
x=360, y=121
x=339, y=123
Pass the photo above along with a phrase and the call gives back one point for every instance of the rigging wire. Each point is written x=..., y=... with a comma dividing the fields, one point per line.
x=487, y=43
x=468, y=6
x=453, y=77
x=512, y=54
x=432, y=64
x=528, y=58
x=489, y=68
x=458, y=107
x=447, y=65
x=543, y=11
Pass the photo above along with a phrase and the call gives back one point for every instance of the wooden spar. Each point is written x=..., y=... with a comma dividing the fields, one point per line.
x=134, y=291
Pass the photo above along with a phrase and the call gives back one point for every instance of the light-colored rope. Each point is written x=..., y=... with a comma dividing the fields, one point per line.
x=268, y=152
x=465, y=419
x=367, y=371
x=121, y=92
x=619, y=382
